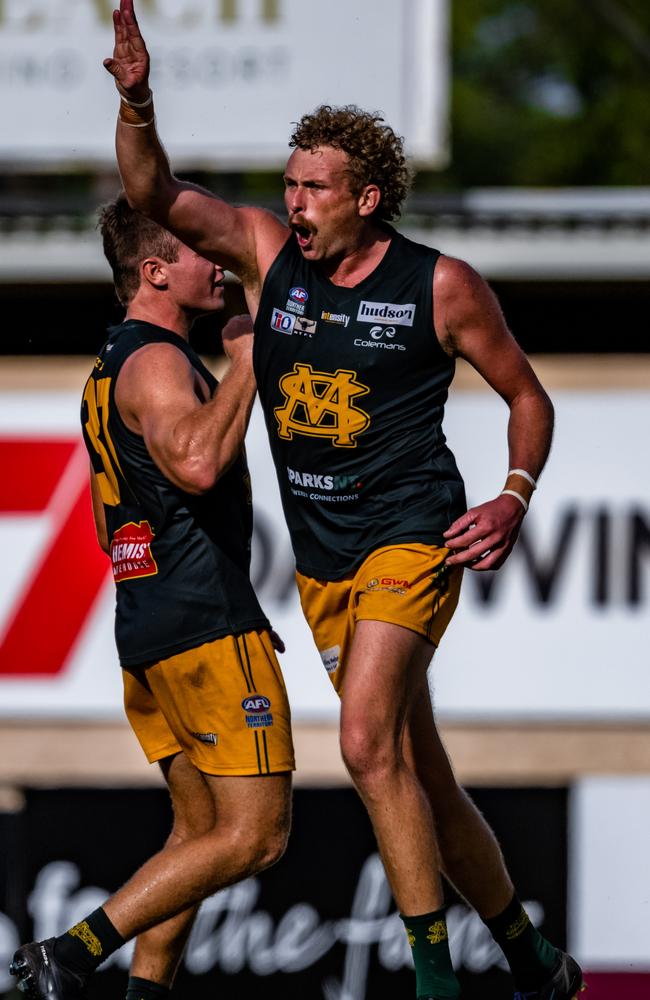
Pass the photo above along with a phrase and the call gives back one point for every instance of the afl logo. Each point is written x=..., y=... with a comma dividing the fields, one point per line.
x=298, y=294
x=256, y=703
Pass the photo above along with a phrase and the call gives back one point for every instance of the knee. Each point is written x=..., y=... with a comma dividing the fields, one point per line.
x=272, y=848
x=185, y=829
x=261, y=848
x=260, y=837
x=369, y=755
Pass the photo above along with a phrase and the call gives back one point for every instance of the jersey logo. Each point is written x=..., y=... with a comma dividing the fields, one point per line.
x=282, y=321
x=131, y=552
x=319, y=404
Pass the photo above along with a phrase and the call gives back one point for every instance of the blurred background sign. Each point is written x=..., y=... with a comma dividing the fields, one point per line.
x=559, y=633
x=319, y=925
x=231, y=75
x=541, y=152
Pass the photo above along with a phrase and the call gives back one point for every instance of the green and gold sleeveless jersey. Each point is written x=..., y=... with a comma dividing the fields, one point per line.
x=353, y=383
x=180, y=562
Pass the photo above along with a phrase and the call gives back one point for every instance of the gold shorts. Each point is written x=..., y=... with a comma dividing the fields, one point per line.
x=224, y=704
x=405, y=585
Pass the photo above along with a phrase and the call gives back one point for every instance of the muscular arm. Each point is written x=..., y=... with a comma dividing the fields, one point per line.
x=193, y=442
x=470, y=324
x=245, y=240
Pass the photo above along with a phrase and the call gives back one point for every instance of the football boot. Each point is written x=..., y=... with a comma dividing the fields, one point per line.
x=41, y=977
x=564, y=984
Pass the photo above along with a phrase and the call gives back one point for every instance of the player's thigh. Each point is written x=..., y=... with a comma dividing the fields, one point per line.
x=385, y=665
x=254, y=809
x=407, y=584
x=260, y=805
x=146, y=717
x=191, y=797
x=227, y=705
x=403, y=597
x=326, y=607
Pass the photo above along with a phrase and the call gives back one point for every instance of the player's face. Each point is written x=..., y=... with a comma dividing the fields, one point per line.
x=322, y=210
x=196, y=284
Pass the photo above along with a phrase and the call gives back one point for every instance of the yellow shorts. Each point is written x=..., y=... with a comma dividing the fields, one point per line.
x=405, y=585
x=224, y=704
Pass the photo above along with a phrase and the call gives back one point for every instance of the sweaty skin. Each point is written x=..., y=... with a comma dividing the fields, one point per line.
x=335, y=230
x=225, y=828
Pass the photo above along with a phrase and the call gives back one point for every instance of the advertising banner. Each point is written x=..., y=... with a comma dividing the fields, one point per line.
x=229, y=76
x=321, y=924
x=609, y=820
x=559, y=633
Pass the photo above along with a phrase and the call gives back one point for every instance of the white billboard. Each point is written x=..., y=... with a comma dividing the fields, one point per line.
x=609, y=887
x=229, y=75
x=560, y=632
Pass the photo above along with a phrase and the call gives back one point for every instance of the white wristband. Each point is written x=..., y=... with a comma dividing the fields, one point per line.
x=140, y=125
x=513, y=493
x=525, y=475
x=138, y=104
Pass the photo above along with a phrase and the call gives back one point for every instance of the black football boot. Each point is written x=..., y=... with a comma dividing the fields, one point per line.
x=41, y=977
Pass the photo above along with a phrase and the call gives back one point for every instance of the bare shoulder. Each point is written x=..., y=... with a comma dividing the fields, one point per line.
x=463, y=303
x=151, y=379
x=264, y=221
x=453, y=277
x=470, y=324
x=151, y=360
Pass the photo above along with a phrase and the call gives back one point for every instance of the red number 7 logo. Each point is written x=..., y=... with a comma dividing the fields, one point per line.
x=49, y=478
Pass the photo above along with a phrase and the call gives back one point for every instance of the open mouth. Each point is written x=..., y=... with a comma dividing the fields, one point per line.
x=303, y=235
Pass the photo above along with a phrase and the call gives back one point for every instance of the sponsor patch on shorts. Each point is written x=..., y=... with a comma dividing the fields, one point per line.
x=330, y=658
x=210, y=738
x=257, y=711
x=389, y=583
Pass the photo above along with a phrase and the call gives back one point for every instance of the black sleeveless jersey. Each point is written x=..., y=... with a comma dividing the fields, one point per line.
x=353, y=383
x=180, y=562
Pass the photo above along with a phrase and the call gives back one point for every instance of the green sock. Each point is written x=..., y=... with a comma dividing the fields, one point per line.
x=429, y=940
x=88, y=943
x=530, y=956
x=145, y=989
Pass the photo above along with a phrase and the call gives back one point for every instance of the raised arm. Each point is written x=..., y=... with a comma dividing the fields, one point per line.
x=246, y=240
x=192, y=440
x=470, y=324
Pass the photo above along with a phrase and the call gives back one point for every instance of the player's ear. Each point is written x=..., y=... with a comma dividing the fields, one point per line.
x=369, y=199
x=154, y=271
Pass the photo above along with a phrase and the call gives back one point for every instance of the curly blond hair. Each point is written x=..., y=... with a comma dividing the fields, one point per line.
x=376, y=153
